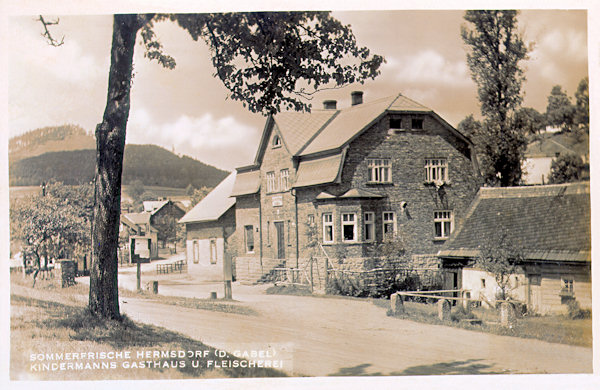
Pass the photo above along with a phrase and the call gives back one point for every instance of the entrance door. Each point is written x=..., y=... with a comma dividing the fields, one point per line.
x=280, y=240
x=452, y=282
x=535, y=292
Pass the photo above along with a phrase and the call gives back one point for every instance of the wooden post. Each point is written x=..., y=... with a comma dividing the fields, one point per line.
x=312, y=284
x=139, y=276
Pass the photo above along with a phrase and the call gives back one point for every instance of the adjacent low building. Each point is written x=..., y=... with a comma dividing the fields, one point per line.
x=209, y=226
x=550, y=228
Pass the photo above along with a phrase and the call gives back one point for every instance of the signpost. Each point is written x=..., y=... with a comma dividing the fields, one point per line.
x=140, y=253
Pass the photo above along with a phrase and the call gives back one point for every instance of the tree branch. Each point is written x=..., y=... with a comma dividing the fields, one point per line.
x=47, y=35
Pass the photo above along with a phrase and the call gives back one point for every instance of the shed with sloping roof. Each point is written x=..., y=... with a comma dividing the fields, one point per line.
x=545, y=231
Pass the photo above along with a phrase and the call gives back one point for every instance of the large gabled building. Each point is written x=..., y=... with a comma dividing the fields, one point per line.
x=335, y=182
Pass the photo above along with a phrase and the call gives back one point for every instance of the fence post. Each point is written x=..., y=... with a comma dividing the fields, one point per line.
x=312, y=284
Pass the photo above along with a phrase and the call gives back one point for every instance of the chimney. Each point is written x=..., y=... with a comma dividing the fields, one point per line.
x=330, y=104
x=357, y=97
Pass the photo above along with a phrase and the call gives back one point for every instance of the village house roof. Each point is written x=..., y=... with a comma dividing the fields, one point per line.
x=214, y=205
x=152, y=206
x=318, y=139
x=549, y=222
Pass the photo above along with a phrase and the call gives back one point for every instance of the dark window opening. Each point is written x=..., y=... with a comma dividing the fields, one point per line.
x=395, y=123
x=417, y=124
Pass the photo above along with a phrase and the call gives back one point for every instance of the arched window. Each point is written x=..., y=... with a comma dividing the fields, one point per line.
x=276, y=141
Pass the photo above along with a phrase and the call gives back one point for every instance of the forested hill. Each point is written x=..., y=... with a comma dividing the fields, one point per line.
x=151, y=164
x=49, y=139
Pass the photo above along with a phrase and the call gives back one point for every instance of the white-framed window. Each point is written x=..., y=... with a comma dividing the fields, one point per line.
x=436, y=170
x=271, y=182
x=213, y=251
x=443, y=222
x=379, y=170
x=389, y=224
x=328, y=228
x=369, y=222
x=567, y=285
x=249, y=238
x=276, y=141
x=284, y=178
x=349, y=227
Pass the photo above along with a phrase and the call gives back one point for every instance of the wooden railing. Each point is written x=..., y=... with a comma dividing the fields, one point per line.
x=178, y=266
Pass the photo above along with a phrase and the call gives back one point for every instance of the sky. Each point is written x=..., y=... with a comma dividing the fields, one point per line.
x=187, y=110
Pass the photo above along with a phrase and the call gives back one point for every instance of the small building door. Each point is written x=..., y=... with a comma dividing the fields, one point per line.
x=280, y=240
x=534, y=298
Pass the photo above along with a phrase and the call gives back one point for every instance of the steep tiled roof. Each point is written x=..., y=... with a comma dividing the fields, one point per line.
x=548, y=222
x=347, y=124
x=298, y=128
x=319, y=171
x=246, y=183
x=214, y=205
x=152, y=206
x=138, y=218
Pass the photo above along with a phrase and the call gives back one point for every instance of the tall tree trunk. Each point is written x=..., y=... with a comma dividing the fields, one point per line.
x=110, y=146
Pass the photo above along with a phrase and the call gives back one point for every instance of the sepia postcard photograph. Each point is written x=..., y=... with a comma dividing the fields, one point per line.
x=303, y=195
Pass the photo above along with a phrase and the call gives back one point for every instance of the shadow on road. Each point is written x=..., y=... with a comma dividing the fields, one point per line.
x=464, y=367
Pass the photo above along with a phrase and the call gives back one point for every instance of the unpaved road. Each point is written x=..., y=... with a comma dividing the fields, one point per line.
x=330, y=336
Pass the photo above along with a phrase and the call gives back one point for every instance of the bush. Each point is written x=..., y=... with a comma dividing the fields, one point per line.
x=575, y=312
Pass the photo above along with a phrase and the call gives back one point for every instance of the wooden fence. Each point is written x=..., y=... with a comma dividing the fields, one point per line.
x=177, y=266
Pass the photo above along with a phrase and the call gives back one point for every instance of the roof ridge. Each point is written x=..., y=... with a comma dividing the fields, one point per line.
x=535, y=191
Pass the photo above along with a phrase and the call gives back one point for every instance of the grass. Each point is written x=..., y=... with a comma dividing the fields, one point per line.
x=552, y=328
x=290, y=289
x=46, y=321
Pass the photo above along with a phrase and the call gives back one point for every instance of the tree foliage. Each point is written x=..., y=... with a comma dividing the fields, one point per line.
x=565, y=169
x=496, y=49
x=500, y=257
x=530, y=120
x=272, y=60
x=53, y=225
x=268, y=61
x=582, y=104
x=560, y=112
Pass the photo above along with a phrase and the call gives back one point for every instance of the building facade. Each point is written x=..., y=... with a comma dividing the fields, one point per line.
x=336, y=183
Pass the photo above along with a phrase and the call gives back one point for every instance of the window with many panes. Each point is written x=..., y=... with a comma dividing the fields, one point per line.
x=436, y=170
x=369, y=231
x=348, y=227
x=389, y=224
x=271, y=182
x=443, y=223
x=284, y=177
x=249, y=238
x=379, y=170
x=328, y=228
x=567, y=285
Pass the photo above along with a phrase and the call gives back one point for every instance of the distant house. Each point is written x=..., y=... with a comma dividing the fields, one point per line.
x=164, y=215
x=209, y=226
x=137, y=224
x=336, y=182
x=542, y=152
x=551, y=227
